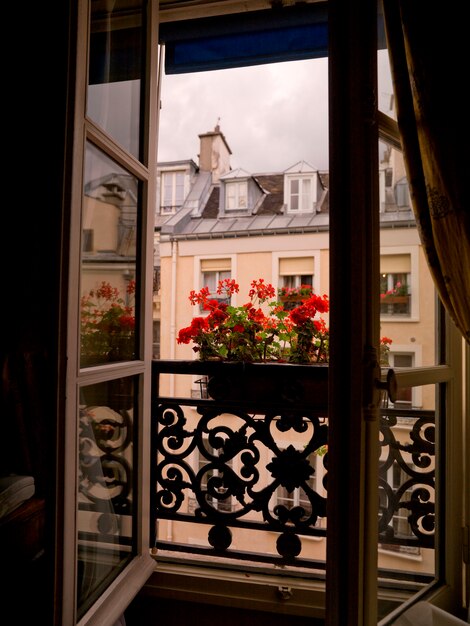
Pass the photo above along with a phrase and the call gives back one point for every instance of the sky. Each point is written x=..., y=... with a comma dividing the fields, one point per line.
x=272, y=115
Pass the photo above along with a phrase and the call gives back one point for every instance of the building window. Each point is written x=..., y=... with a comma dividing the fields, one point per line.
x=156, y=340
x=212, y=480
x=395, y=284
x=213, y=271
x=300, y=195
x=172, y=194
x=298, y=497
x=396, y=477
x=402, y=194
x=236, y=195
x=87, y=238
x=296, y=271
x=404, y=394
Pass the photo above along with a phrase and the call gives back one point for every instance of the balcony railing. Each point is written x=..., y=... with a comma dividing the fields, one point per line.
x=245, y=478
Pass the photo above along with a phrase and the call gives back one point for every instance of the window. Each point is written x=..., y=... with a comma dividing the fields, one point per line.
x=402, y=194
x=298, y=497
x=296, y=271
x=297, y=280
x=395, y=284
x=300, y=195
x=172, y=192
x=87, y=240
x=236, y=196
x=401, y=526
x=349, y=171
x=213, y=271
x=404, y=394
x=212, y=480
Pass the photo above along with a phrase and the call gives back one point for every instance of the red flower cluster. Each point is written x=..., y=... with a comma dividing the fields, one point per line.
x=260, y=330
x=107, y=323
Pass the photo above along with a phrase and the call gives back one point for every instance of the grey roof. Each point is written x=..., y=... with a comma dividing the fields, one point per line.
x=269, y=217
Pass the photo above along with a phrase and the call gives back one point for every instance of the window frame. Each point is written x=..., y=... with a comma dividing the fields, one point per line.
x=303, y=197
x=241, y=190
x=413, y=285
x=175, y=205
x=354, y=142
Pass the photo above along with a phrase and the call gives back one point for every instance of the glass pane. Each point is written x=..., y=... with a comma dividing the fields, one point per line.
x=108, y=266
x=106, y=505
x=115, y=71
x=408, y=447
x=407, y=497
x=385, y=98
x=407, y=293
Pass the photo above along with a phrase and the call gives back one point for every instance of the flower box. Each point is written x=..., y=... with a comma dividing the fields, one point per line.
x=395, y=300
x=258, y=387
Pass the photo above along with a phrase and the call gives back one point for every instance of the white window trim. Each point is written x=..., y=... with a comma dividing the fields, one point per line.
x=276, y=256
x=413, y=251
x=287, y=194
x=416, y=350
x=197, y=273
x=160, y=190
x=235, y=183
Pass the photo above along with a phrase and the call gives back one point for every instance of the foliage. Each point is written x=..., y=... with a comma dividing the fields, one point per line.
x=384, y=350
x=289, y=292
x=400, y=289
x=107, y=323
x=260, y=330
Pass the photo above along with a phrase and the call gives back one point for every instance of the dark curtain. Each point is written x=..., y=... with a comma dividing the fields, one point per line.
x=428, y=55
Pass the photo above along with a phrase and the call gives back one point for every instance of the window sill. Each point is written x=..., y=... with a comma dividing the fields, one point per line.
x=399, y=318
x=243, y=587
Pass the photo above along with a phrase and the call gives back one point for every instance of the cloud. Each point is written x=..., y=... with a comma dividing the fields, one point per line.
x=271, y=115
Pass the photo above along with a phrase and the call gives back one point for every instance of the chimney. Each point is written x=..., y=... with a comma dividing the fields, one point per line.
x=214, y=154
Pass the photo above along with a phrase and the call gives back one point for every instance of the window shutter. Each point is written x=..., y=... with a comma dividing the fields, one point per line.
x=216, y=265
x=296, y=266
x=395, y=264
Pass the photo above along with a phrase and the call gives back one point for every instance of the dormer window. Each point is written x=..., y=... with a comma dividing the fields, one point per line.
x=300, y=195
x=236, y=195
x=172, y=192
x=300, y=188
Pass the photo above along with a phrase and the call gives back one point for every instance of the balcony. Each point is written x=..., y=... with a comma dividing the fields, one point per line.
x=243, y=478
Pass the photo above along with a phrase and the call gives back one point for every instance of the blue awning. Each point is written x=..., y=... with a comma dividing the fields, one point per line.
x=251, y=38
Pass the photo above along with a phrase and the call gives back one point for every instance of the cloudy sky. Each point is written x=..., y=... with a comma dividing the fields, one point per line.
x=272, y=115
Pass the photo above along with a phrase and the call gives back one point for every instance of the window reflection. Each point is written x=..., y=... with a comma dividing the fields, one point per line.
x=108, y=270
x=115, y=71
x=105, y=485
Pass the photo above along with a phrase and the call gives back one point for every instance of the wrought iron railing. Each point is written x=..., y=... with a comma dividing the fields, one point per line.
x=245, y=478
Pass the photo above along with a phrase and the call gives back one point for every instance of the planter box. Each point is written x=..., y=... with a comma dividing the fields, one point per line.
x=262, y=386
x=395, y=300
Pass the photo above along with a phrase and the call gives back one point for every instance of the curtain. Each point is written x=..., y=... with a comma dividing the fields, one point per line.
x=428, y=51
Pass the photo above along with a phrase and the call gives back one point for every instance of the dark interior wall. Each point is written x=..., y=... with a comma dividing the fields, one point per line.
x=36, y=215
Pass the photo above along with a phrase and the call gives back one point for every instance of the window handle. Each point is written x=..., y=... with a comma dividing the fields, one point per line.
x=390, y=385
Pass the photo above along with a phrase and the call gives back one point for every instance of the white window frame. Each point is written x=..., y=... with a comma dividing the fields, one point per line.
x=413, y=285
x=198, y=282
x=170, y=209
x=315, y=254
x=240, y=188
x=305, y=198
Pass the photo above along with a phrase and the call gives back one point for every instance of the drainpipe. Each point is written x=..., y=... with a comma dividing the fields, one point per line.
x=174, y=257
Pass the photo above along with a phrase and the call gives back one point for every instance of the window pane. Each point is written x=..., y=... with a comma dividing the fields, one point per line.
x=115, y=70
x=408, y=445
x=106, y=506
x=109, y=262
